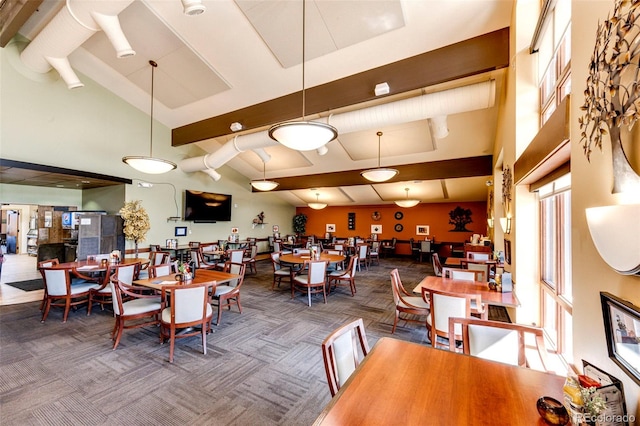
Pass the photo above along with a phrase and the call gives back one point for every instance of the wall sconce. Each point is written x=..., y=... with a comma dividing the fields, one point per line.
x=505, y=224
x=490, y=222
x=614, y=231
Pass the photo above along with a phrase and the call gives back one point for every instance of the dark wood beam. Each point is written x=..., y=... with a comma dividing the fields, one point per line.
x=13, y=15
x=445, y=169
x=470, y=57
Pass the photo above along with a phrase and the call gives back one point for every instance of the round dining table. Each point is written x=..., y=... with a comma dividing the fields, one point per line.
x=299, y=259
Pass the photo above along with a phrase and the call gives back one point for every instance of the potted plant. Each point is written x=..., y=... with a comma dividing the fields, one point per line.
x=136, y=222
x=299, y=224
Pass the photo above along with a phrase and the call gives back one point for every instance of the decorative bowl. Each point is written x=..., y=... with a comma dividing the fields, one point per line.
x=552, y=411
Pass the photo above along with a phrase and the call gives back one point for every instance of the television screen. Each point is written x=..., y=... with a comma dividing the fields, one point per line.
x=207, y=207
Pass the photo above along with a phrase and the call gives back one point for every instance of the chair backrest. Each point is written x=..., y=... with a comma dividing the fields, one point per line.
x=461, y=274
x=196, y=257
x=425, y=246
x=353, y=264
x=398, y=289
x=275, y=260
x=160, y=270
x=154, y=247
x=474, y=255
x=235, y=256
x=126, y=273
x=498, y=341
x=482, y=267
x=338, y=247
x=50, y=263
x=375, y=246
x=253, y=252
x=160, y=257
x=445, y=305
x=333, y=251
x=238, y=269
x=57, y=281
x=194, y=244
x=302, y=251
x=188, y=303
x=276, y=246
x=316, y=271
x=393, y=242
x=363, y=251
x=437, y=266
x=342, y=351
x=208, y=247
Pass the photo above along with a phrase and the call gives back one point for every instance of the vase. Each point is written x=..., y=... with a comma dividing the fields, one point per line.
x=625, y=179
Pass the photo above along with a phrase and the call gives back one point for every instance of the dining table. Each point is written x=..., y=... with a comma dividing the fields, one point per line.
x=407, y=383
x=297, y=259
x=81, y=268
x=488, y=296
x=210, y=277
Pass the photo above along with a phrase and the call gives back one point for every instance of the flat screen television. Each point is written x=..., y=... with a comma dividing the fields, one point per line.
x=202, y=206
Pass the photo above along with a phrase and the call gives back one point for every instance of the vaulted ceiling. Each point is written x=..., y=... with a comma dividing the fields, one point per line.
x=241, y=61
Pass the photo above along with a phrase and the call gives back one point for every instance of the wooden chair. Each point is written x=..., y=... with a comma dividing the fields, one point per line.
x=229, y=293
x=345, y=277
x=342, y=351
x=461, y=274
x=250, y=260
x=314, y=281
x=189, y=309
x=130, y=303
x=425, y=249
x=363, y=256
x=476, y=255
x=445, y=305
x=374, y=253
x=389, y=248
x=336, y=266
x=60, y=292
x=233, y=256
x=198, y=260
x=437, y=266
x=473, y=266
x=155, y=258
x=415, y=249
x=209, y=251
x=280, y=272
x=46, y=264
x=406, y=303
x=126, y=273
x=161, y=270
x=498, y=341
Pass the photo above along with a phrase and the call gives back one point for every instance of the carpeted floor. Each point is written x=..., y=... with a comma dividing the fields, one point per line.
x=262, y=367
x=28, y=285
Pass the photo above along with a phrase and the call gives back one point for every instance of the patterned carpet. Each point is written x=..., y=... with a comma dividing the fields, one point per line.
x=263, y=367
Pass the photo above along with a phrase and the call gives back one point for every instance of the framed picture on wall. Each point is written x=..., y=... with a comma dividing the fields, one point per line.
x=622, y=329
x=234, y=230
x=507, y=251
x=422, y=229
x=180, y=231
x=276, y=228
x=330, y=227
x=376, y=229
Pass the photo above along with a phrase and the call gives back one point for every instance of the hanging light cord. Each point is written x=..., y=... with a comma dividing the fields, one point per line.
x=379, y=136
x=153, y=66
x=304, y=3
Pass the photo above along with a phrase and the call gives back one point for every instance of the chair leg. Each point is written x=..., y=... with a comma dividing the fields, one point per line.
x=67, y=308
x=204, y=338
x=90, y=303
x=47, y=306
x=219, y=311
x=238, y=303
x=309, y=294
x=120, y=327
x=395, y=322
x=172, y=344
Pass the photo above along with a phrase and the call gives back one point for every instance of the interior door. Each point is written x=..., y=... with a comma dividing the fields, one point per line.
x=13, y=228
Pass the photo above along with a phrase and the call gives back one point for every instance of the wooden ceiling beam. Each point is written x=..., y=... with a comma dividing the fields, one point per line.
x=477, y=55
x=13, y=16
x=445, y=169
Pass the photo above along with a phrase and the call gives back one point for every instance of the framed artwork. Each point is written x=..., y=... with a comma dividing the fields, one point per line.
x=507, y=251
x=234, y=230
x=330, y=227
x=622, y=329
x=180, y=231
x=376, y=229
x=422, y=229
x=276, y=228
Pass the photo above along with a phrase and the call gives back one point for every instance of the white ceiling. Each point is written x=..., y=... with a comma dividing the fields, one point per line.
x=240, y=53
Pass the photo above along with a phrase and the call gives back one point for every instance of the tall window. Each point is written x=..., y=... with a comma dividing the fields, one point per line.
x=555, y=264
x=554, y=64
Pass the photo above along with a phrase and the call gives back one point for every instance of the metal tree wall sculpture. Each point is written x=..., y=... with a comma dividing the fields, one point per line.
x=612, y=96
x=459, y=218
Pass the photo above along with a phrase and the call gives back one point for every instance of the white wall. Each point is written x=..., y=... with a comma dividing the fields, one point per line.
x=91, y=129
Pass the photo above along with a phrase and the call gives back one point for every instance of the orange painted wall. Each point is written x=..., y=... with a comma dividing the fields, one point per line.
x=436, y=216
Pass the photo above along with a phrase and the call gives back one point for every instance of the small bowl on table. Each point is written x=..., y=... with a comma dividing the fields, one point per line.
x=552, y=411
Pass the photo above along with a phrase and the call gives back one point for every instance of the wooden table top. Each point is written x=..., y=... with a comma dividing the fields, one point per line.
x=293, y=258
x=86, y=266
x=203, y=276
x=411, y=384
x=490, y=297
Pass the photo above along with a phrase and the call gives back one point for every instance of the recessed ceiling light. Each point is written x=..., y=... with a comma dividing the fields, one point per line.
x=86, y=181
x=60, y=186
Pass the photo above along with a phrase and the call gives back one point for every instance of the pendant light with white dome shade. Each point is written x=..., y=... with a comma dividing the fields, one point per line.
x=407, y=202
